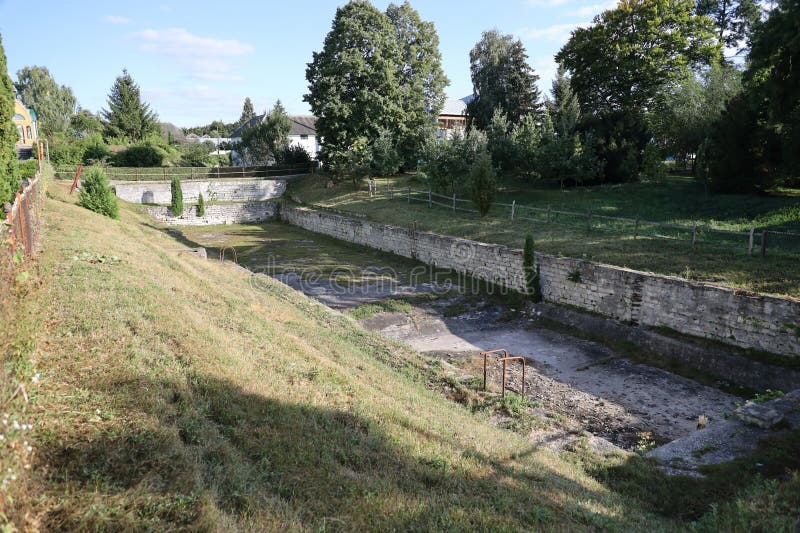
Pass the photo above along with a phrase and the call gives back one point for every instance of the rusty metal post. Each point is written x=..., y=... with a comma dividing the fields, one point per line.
x=504, y=377
x=486, y=354
x=75, y=181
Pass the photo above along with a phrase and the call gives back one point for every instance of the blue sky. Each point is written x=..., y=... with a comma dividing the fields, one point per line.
x=196, y=61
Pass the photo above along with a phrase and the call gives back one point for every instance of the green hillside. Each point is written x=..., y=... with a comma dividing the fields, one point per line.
x=176, y=393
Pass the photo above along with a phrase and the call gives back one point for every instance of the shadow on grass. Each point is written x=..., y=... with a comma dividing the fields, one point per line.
x=215, y=450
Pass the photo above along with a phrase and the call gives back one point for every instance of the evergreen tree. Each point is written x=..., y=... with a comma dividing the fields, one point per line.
x=201, y=205
x=501, y=79
x=248, y=111
x=54, y=104
x=176, y=205
x=483, y=185
x=264, y=143
x=420, y=77
x=565, y=109
x=96, y=193
x=9, y=176
x=353, y=85
x=127, y=116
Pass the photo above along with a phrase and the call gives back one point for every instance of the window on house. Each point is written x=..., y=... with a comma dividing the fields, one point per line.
x=28, y=131
x=21, y=135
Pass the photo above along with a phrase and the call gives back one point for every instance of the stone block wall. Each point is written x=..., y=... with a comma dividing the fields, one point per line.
x=759, y=322
x=159, y=192
x=217, y=214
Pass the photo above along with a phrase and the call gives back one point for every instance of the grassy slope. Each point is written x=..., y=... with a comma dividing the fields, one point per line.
x=678, y=201
x=178, y=392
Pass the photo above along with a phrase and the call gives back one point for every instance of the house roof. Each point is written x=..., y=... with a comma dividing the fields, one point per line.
x=456, y=106
x=303, y=125
x=300, y=125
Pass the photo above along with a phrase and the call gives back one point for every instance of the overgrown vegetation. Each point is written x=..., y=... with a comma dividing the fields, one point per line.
x=9, y=178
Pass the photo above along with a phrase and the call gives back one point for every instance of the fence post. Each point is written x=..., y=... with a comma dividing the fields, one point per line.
x=548, y=214
x=430, y=204
x=191, y=173
x=454, y=202
x=636, y=228
x=763, y=243
x=217, y=171
x=513, y=208
x=750, y=241
x=694, y=234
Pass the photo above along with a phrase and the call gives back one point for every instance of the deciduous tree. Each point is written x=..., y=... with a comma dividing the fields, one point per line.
x=353, y=85
x=733, y=20
x=54, y=104
x=501, y=79
x=420, y=77
x=624, y=59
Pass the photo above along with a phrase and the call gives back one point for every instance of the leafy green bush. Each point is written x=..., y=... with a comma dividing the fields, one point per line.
x=653, y=168
x=293, y=155
x=196, y=155
x=201, y=206
x=28, y=169
x=177, y=196
x=143, y=154
x=94, y=149
x=96, y=193
x=483, y=185
x=385, y=158
x=448, y=161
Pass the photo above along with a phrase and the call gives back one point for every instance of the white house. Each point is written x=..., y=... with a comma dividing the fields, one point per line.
x=303, y=133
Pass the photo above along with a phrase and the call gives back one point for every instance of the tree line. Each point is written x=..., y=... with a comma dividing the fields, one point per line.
x=647, y=81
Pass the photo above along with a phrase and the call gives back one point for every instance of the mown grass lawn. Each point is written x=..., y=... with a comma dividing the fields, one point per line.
x=676, y=201
x=173, y=393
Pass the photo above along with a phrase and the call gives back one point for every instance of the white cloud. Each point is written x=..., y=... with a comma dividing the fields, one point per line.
x=592, y=10
x=116, y=19
x=179, y=41
x=205, y=58
x=548, y=3
x=556, y=32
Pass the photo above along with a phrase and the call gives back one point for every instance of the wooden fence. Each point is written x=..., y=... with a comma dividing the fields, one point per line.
x=754, y=241
x=203, y=173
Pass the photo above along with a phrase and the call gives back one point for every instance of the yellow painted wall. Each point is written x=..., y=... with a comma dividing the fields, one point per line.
x=28, y=133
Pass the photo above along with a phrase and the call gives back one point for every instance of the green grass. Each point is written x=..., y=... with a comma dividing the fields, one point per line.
x=391, y=305
x=678, y=201
x=183, y=394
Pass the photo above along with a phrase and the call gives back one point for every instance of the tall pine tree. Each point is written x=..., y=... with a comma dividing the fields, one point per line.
x=9, y=177
x=501, y=79
x=421, y=79
x=127, y=116
x=248, y=111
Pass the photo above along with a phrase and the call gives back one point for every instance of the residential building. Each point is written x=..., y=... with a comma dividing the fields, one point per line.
x=26, y=123
x=453, y=116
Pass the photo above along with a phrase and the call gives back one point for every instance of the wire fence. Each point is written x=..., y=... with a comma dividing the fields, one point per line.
x=22, y=229
x=203, y=173
x=755, y=241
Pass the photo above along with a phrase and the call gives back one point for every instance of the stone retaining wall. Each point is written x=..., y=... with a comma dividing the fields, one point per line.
x=159, y=192
x=218, y=214
x=759, y=322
